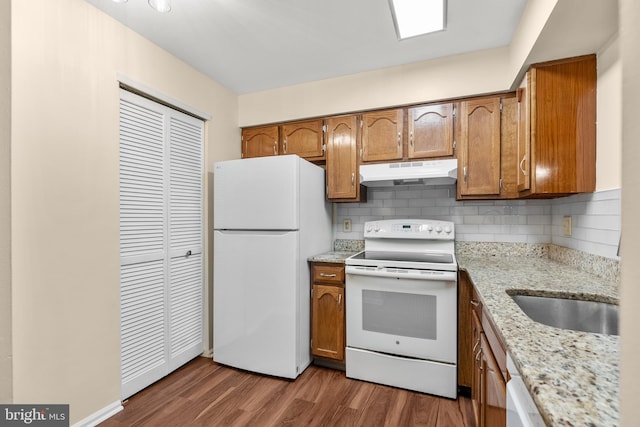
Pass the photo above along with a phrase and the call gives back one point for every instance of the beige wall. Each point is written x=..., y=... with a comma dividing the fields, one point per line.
x=455, y=76
x=609, y=114
x=5, y=203
x=66, y=57
x=534, y=18
x=630, y=313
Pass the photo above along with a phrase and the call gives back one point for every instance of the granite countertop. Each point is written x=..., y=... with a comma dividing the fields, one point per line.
x=572, y=376
x=332, y=257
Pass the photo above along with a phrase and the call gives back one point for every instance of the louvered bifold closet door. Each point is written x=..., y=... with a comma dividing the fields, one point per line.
x=185, y=239
x=143, y=254
x=161, y=240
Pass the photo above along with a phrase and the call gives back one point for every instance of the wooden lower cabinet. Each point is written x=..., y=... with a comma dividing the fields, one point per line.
x=482, y=363
x=494, y=389
x=465, y=331
x=328, y=312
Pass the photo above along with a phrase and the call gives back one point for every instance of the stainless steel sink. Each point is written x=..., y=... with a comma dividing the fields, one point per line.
x=579, y=315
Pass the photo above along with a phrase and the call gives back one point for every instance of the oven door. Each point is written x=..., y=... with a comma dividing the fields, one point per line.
x=410, y=313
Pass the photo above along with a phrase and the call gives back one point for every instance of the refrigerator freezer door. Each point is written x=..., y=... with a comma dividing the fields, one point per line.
x=256, y=317
x=256, y=194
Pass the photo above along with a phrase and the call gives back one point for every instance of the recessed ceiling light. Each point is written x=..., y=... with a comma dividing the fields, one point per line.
x=160, y=5
x=119, y=1
x=416, y=17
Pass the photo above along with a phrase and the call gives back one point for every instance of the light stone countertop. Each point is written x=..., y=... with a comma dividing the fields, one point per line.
x=573, y=376
x=337, y=257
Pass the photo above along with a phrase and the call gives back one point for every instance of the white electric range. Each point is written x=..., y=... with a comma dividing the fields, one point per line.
x=401, y=296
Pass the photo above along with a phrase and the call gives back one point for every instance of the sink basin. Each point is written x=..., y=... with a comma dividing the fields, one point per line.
x=578, y=315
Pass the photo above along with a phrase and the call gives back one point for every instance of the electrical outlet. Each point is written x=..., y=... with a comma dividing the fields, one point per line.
x=346, y=226
x=566, y=225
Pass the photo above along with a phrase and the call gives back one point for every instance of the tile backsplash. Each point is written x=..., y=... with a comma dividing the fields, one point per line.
x=595, y=217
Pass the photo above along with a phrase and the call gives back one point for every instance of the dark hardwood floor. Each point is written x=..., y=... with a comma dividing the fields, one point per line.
x=204, y=393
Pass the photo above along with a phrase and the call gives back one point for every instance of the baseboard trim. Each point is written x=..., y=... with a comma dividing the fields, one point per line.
x=101, y=415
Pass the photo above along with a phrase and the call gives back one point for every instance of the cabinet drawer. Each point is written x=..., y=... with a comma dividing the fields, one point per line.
x=328, y=273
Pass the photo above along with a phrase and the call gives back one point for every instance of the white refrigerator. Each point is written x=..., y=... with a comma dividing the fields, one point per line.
x=270, y=215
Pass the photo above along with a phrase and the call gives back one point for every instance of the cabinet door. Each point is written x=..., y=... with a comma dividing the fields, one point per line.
x=327, y=322
x=476, y=379
x=465, y=331
x=382, y=135
x=431, y=131
x=260, y=141
x=303, y=138
x=342, y=163
x=494, y=391
x=479, y=170
x=563, y=126
x=523, y=174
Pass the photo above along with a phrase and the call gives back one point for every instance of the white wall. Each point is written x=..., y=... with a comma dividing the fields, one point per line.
x=595, y=217
x=595, y=222
x=65, y=250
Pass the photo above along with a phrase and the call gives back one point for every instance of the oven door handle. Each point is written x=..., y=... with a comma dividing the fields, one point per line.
x=402, y=273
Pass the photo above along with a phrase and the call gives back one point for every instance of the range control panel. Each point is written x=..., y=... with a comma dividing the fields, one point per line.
x=410, y=229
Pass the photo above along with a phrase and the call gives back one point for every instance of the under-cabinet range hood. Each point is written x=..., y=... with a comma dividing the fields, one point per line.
x=427, y=172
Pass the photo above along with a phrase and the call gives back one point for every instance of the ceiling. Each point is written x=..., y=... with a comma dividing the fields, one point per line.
x=255, y=45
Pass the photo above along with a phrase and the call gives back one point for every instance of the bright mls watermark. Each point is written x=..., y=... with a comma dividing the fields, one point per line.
x=34, y=415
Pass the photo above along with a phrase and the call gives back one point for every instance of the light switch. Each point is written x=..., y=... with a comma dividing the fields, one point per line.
x=566, y=225
x=346, y=225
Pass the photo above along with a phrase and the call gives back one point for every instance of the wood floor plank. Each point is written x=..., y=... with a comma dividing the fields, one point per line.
x=377, y=407
x=204, y=394
x=421, y=410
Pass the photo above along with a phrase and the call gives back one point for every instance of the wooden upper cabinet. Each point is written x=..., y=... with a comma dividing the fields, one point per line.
x=260, y=141
x=479, y=152
x=343, y=179
x=382, y=135
x=431, y=131
x=303, y=138
x=562, y=127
